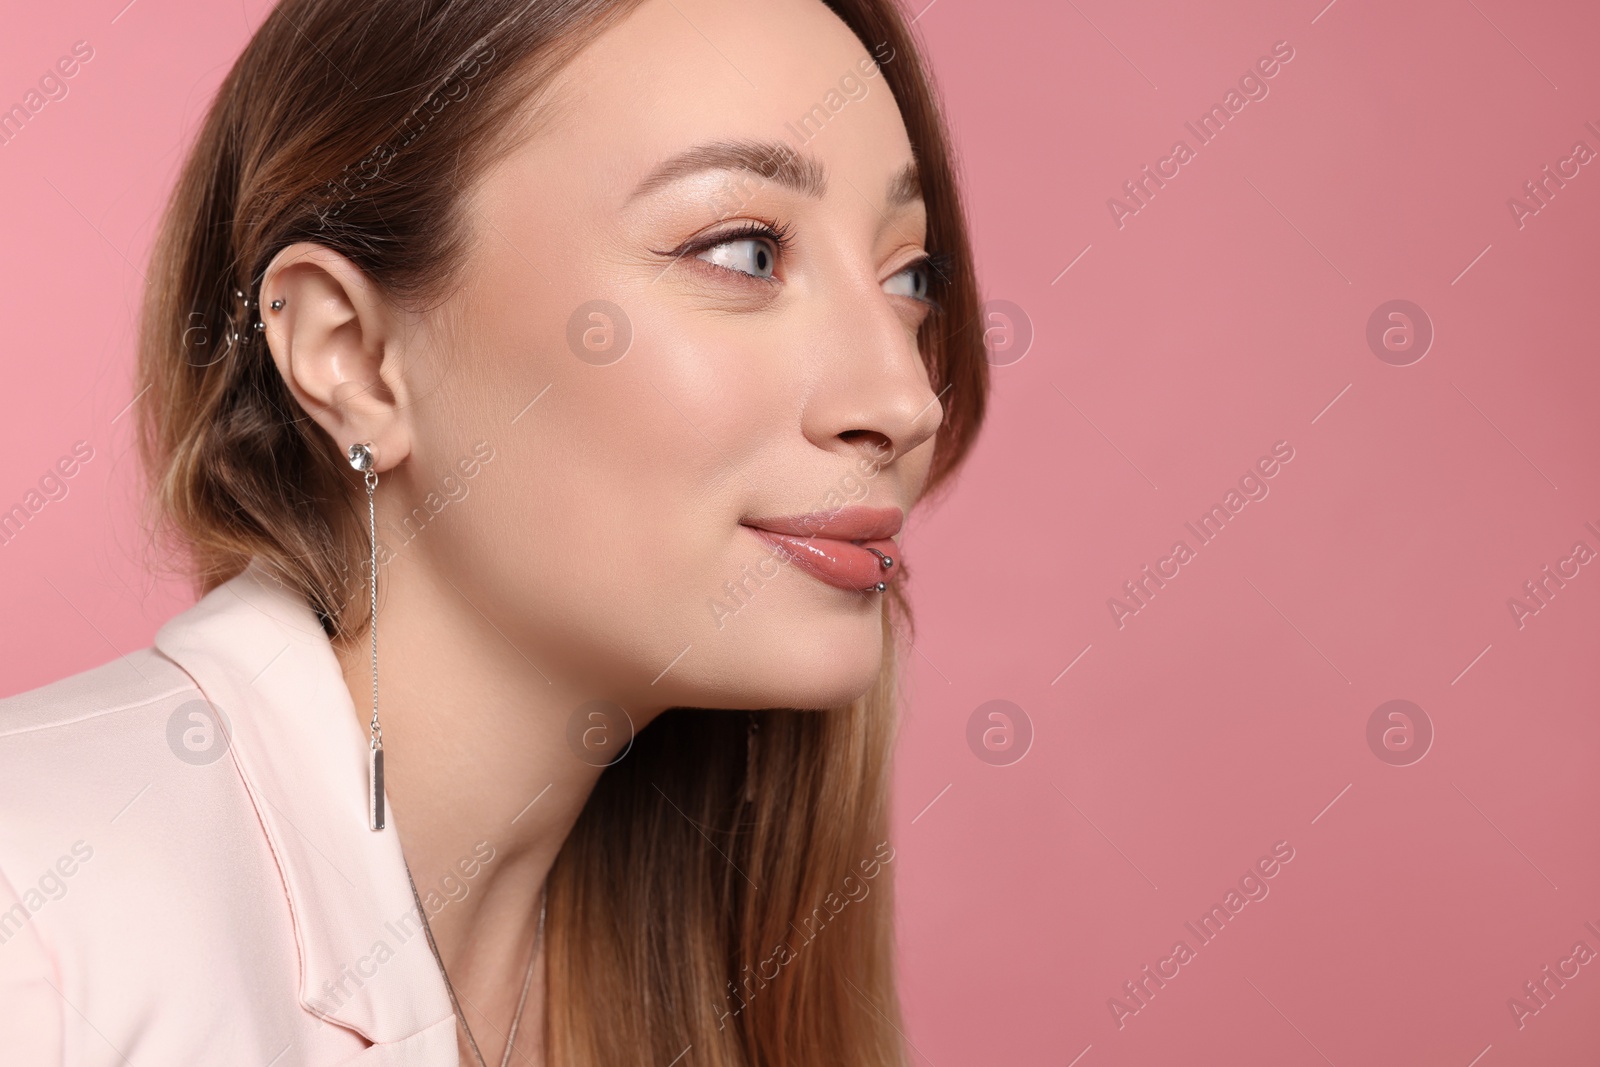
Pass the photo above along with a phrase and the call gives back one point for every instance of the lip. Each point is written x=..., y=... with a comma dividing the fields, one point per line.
x=854, y=523
x=835, y=546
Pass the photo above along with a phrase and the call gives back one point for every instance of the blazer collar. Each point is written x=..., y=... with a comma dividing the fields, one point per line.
x=258, y=653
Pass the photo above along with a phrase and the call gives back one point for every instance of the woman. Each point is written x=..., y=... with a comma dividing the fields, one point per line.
x=576, y=324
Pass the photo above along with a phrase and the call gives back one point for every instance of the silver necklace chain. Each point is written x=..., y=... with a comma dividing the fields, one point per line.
x=527, y=980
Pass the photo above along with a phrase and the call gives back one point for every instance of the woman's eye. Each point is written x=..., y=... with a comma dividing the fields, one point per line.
x=912, y=282
x=747, y=255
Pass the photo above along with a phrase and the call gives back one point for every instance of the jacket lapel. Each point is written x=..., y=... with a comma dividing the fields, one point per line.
x=258, y=653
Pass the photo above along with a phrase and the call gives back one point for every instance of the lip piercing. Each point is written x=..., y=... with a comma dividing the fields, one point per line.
x=884, y=560
x=880, y=587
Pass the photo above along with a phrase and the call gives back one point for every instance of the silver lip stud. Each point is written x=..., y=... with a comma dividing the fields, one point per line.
x=885, y=561
x=880, y=587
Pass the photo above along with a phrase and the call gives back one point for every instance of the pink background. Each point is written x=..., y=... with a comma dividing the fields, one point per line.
x=1229, y=313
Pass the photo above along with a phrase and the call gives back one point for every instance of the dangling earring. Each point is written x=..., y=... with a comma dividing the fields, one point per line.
x=361, y=458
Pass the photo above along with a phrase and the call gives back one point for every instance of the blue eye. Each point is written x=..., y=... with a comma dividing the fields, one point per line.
x=747, y=255
x=912, y=281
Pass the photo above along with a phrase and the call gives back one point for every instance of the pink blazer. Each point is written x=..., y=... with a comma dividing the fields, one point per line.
x=179, y=886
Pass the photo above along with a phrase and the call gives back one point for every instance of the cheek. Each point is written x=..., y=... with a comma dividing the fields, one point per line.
x=607, y=525
x=609, y=515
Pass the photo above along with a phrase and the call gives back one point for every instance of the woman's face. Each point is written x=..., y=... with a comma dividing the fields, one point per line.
x=660, y=347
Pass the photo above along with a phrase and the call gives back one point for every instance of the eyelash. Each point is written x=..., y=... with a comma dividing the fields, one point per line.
x=781, y=236
x=937, y=264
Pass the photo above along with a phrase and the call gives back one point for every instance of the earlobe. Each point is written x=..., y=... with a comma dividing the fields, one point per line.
x=333, y=339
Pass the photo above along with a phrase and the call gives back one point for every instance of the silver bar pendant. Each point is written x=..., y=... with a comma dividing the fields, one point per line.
x=375, y=781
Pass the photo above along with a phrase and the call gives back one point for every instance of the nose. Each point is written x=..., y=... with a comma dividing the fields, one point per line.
x=872, y=395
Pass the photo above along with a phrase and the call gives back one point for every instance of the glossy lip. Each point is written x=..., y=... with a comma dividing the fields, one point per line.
x=836, y=547
x=854, y=523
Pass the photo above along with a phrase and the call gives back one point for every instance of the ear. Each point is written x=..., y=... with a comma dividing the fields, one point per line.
x=339, y=345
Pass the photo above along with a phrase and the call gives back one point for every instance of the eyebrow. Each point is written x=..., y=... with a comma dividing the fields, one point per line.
x=775, y=161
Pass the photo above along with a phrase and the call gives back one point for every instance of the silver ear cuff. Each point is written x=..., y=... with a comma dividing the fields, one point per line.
x=251, y=304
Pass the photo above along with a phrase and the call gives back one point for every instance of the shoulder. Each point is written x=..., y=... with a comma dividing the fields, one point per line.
x=96, y=765
x=122, y=768
x=133, y=869
x=124, y=684
x=68, y=749
x=126, y=760
x=60, y=788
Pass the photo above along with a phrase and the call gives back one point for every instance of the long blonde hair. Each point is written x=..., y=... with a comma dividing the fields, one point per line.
x=726, y=890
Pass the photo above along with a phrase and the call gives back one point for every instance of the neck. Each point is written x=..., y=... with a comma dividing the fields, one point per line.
x=482, y=785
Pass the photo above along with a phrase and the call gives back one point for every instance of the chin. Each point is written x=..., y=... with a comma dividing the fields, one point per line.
x=819, y=665
x=828, y=671
x=819, y=697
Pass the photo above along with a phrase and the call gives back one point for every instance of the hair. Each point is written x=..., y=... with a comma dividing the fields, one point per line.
x=728, y=884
